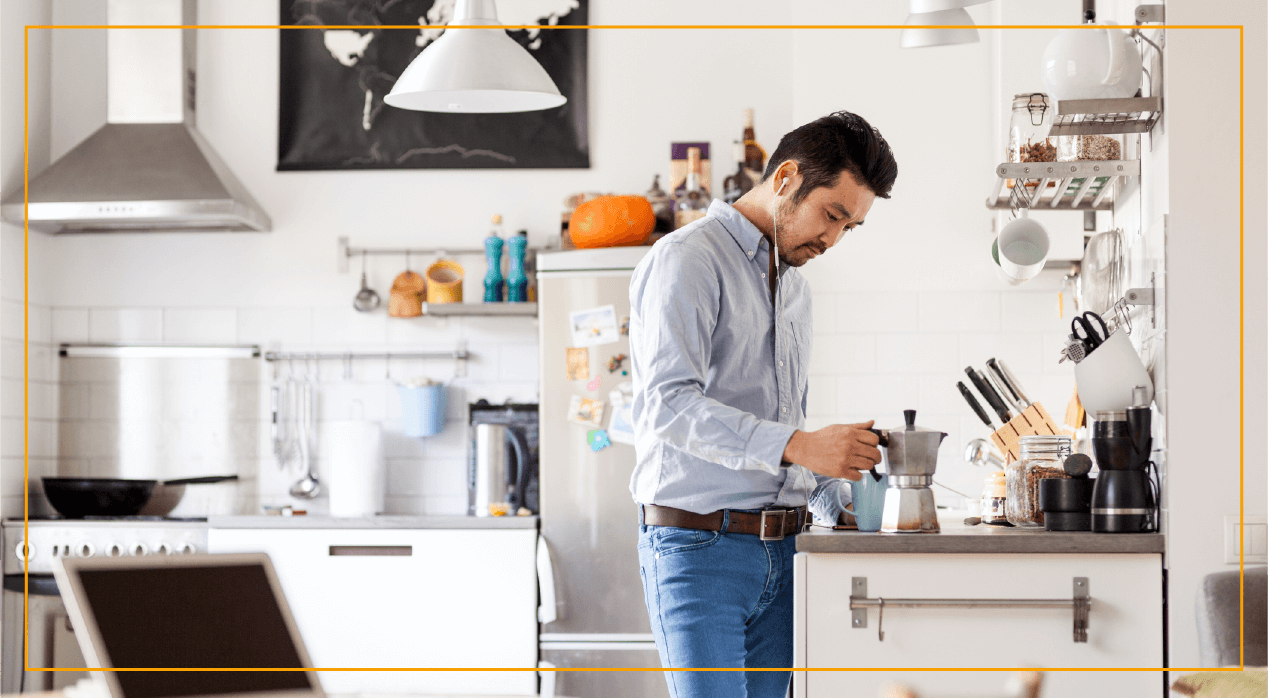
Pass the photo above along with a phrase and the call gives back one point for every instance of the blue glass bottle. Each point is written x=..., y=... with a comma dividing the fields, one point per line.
x=516, y=280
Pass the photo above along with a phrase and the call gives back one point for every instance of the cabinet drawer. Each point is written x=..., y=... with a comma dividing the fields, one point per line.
x=407, y=598
x=1124, y=622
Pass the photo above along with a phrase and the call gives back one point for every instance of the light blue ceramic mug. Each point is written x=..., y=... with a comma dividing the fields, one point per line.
x=869, y=501
x=422, y=409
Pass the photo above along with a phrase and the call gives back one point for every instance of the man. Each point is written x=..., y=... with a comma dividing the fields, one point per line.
x=720, y=343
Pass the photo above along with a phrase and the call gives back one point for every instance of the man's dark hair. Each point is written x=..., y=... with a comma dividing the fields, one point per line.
x=836, y=143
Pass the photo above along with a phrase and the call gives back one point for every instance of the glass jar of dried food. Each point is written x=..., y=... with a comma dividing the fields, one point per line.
x=994, y=496
x=1091, y=147
x=1028, y=130
x=1041, y=458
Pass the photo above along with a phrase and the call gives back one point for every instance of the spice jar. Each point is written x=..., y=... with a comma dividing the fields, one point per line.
x=1041, y=458
x=994, y=496
x=1090, y=147
x=1028, y=130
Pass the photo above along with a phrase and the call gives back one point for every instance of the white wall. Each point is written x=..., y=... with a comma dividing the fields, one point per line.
x=15, y=287
x=1204, y=278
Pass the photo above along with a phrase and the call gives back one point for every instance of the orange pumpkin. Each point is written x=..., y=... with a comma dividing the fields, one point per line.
x=612, y=221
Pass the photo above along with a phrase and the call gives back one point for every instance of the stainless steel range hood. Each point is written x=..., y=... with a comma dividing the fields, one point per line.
x=148, y=168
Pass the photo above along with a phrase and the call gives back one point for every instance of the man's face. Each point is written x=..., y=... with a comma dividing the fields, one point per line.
x=809, y=229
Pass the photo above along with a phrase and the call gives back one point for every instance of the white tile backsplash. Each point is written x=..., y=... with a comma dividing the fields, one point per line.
x=923, y=352
x=877, y=312
x=200, y=325
x=125, y=325
x=959, y=312
x=335, y=327
x=284, y=326
x=70, y=325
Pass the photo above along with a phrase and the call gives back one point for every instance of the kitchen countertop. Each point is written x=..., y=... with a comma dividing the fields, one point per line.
x=402, y=522
x=959, y=538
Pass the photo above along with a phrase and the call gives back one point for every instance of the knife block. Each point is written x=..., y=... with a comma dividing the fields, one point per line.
x=1033, y=421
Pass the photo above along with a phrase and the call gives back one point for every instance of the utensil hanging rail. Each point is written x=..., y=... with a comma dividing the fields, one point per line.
x=456, y=355
x=1079, y=604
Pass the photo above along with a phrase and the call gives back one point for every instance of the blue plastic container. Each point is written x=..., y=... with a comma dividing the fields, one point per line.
x=422, y=409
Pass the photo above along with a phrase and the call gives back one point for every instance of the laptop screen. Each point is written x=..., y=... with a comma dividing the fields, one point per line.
x=193, y=617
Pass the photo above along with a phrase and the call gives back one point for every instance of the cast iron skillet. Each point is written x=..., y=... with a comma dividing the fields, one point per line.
x=77, y=497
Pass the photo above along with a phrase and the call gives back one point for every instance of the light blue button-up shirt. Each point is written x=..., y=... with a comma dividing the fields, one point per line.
x=720, y=373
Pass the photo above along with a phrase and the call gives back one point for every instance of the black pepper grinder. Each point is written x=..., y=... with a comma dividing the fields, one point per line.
x=1067, y=502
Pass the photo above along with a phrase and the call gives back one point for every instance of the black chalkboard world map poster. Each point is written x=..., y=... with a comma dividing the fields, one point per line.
x=331, y=114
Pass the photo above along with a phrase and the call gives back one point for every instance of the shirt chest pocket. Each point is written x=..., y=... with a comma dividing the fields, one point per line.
x=800, y=360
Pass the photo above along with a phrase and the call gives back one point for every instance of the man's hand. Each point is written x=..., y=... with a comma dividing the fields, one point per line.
x=837, y=450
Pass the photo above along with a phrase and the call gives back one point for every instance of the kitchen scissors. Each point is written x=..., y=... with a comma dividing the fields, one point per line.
x=1083, y=329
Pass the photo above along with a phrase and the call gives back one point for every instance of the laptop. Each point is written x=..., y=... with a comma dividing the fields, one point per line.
x=191, y=611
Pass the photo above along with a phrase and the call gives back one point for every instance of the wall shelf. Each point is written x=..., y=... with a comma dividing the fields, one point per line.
x=1086, y=117
x=480, y=309
x=1087, y=185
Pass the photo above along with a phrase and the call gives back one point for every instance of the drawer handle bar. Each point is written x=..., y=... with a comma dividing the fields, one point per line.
x=371, y=550
x=1080, y=603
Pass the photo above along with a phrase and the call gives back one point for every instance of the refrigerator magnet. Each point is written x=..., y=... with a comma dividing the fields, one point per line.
x=594, y=383
x=594, y=326
x=625, y=325
x=578, y=364
x=598, y=439
x=583, y=410
x=615, y=362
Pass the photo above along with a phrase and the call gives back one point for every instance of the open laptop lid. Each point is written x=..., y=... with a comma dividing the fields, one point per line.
x=195, y=611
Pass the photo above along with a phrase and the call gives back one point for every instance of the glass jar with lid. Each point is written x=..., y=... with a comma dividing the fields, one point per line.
x=1028, y=129
x=1041, y=458
x=1089, y=147
x=994, y=497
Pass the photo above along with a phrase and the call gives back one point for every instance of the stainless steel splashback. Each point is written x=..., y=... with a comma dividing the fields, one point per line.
x=158, y=412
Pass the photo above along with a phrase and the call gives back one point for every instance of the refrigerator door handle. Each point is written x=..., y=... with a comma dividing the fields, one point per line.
x=546, y=611
x=547, y=689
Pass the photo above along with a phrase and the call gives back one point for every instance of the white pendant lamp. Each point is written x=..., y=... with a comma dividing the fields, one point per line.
x=939, y=23
x=475, y=70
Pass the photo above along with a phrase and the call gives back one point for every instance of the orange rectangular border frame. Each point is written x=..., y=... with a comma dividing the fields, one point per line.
x=25, y=462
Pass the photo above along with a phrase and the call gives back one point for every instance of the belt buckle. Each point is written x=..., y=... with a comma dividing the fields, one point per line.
x=783, y=517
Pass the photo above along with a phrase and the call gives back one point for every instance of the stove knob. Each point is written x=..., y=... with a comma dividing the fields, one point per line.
x=85, y=550
x=114, y=550
x=24, y=551
x=138, y=549
x=186, y=549
x=164, y=549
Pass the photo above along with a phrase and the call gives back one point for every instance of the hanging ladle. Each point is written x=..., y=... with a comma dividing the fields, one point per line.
x=366, y=299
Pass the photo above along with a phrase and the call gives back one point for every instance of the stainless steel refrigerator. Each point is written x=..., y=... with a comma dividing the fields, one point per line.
x=593, y=613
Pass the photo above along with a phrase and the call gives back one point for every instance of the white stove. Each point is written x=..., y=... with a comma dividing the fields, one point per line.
x=45, y=540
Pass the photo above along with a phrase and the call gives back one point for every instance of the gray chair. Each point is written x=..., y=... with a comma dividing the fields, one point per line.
x=1217, y=613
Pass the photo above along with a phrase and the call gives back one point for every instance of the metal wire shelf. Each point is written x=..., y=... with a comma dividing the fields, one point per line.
x=1086, y=117
x=1086, y=185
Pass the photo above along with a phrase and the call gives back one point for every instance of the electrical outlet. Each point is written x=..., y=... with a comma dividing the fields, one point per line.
x=1254, y=541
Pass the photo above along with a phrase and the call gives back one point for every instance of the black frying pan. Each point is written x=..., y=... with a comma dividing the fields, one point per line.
x=77, y=497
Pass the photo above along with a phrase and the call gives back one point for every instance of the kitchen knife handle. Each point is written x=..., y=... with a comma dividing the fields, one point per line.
x=1013, y=383
x=977, y=407
x=996, y=382
x=992, y=398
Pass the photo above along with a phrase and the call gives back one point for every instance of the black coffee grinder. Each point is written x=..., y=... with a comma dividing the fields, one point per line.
x=1125, y=496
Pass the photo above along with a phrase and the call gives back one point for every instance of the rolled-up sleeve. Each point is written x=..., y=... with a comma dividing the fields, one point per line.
x=674, y=302
x=829, y=498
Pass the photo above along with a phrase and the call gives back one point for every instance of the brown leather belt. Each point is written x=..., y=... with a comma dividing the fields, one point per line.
x=768, y=524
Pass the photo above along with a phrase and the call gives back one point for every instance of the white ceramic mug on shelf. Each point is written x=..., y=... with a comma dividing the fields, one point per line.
x=1023, y=247
x=1107, y=376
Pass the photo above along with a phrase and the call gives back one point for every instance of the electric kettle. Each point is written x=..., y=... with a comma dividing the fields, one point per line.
x=498, y=482
x=1092, y=63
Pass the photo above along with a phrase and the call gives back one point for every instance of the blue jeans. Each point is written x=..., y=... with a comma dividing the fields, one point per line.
x=718, y=599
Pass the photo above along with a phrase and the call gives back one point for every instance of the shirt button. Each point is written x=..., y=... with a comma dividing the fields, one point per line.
x=785, y=410
x=750, y=252
x=763, y=275
x=781, y=363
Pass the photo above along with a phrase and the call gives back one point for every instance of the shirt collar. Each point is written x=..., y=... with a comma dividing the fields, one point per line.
x=746, y=235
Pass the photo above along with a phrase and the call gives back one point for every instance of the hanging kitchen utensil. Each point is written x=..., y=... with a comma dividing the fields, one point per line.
x=1089, y=329
x=366, y=299
x=1100, y=282
x=308, y=486
x=406, y=299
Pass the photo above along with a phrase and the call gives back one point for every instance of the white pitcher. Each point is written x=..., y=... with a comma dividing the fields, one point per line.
x=1092, y=63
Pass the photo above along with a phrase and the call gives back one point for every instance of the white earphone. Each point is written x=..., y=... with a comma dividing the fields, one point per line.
x=775, y=239
x=781, y=187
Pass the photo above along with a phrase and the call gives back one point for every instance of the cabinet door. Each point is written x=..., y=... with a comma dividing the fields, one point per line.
x=1124, y=624
x=397, y=598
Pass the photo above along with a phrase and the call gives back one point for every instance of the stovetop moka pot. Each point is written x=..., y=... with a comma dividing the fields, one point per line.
x=912, y=459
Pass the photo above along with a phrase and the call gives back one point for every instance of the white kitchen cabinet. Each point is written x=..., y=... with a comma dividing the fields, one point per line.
x=407, y=598
x=1125, y=623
